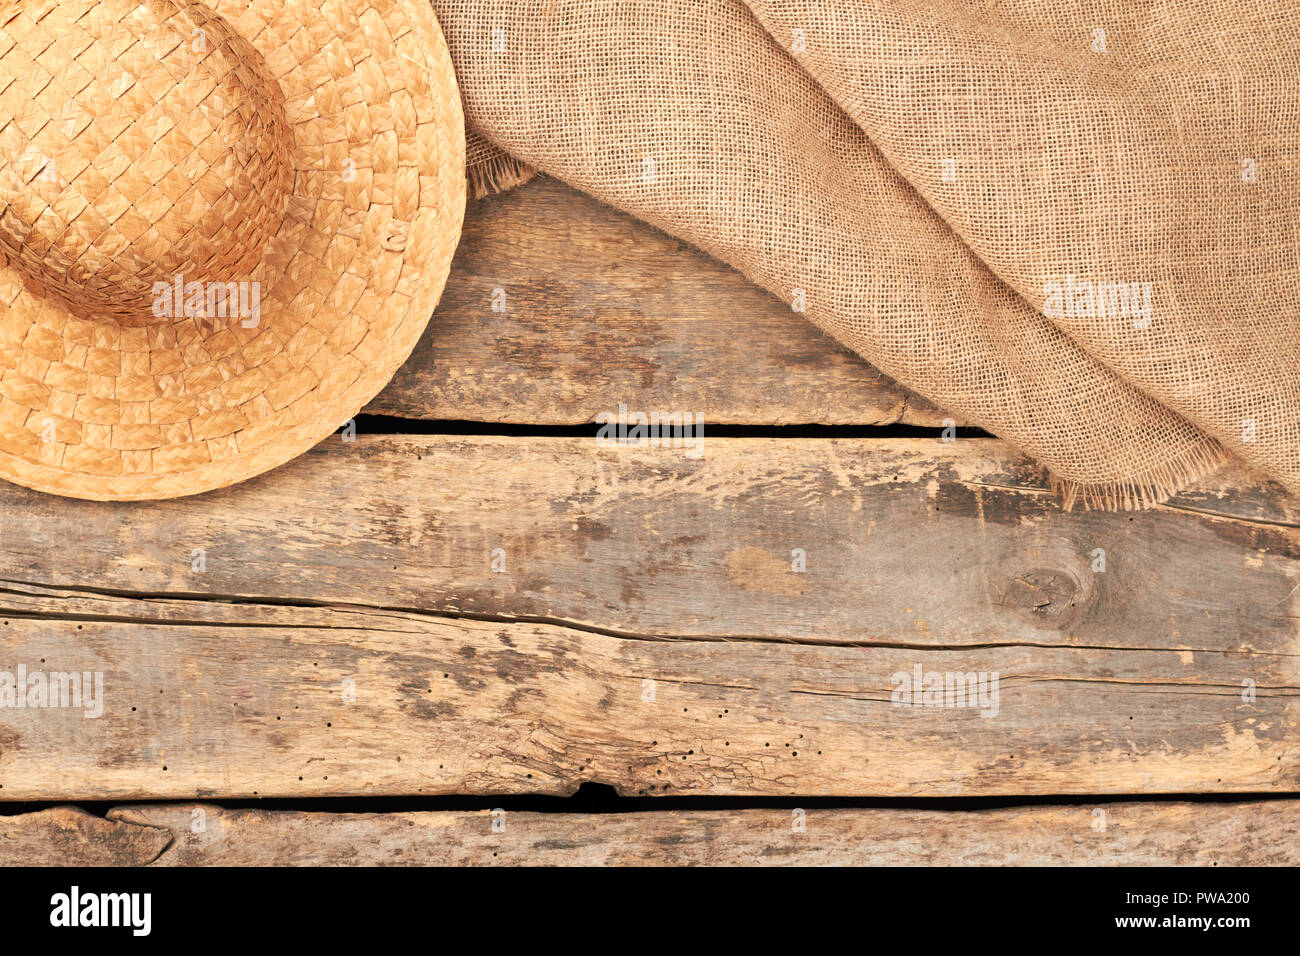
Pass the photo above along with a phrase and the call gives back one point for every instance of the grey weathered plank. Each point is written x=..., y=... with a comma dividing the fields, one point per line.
x=906, y=540
x=1248, y=833
x=371, y=562
x=212, y=699
x=601, y=309
x=1134, y=834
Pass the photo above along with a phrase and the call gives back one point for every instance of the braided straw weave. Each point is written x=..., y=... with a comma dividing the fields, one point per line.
x=311, y=152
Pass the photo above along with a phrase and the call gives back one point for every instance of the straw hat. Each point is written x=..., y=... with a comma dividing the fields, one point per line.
x=224, y=225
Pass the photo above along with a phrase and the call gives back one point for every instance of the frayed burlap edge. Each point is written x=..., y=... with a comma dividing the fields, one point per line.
x=1141, y=492
x=496, y=174
x=489, y=169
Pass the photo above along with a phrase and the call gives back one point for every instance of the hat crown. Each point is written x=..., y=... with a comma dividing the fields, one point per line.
x=140, y=140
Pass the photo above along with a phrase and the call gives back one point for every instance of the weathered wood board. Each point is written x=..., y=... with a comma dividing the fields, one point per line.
x=912, y=541
x=607, y=647
x=437, y=615
x=68, y=836
x=1258, y=833
x=596, y=309
x=252, y=700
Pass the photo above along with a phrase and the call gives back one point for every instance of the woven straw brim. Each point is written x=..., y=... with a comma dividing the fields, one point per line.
x=93, y=409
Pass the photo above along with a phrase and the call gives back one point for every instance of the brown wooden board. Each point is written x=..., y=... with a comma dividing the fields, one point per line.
x=597, y=309
x=69, y=836
x=1193, y=834
x=648, y=630
x=441, y=615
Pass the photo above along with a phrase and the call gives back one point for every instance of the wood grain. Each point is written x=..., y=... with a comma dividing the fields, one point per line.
x=240, y=700
x=68, y=836
x=913, y=541
x=348, y=633
x=633, y=570
x=601, y=309
x=1258, y=833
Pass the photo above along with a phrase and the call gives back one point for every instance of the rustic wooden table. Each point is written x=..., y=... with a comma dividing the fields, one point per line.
x=509, y=608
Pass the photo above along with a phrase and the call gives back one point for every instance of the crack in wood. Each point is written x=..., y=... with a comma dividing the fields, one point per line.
x=252, y=602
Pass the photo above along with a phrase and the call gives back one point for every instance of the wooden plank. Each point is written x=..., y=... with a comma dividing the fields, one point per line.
x=600, y=309
x=1249, y=833
x=1130, y=834
x=68, y=836
x=635, y=571
x=241, y=700
x=912, y=541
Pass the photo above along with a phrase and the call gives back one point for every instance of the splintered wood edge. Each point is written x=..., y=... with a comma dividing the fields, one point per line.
x=1253, y=833
x=69, y=836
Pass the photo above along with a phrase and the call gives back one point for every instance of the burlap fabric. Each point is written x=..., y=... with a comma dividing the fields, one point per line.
x=1074, y=224
x=489, y=169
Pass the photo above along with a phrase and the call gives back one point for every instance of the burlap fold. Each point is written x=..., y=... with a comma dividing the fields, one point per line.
x=1075, y=225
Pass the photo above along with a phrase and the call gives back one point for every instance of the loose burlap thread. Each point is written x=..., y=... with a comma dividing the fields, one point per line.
x=1074, y=224
x=489, y=169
